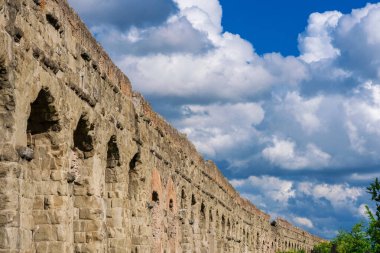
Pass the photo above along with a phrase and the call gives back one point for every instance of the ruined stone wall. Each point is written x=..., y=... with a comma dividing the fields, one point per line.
x=87, y=166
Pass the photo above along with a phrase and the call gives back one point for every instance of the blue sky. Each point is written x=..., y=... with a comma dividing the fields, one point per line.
x=274, y=25
x=283, y=95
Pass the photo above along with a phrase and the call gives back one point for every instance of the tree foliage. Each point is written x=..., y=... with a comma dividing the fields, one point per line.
x=363, y=238
x=374, y=219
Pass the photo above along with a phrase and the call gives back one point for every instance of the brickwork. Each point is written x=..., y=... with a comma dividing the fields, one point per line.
x=87, y=166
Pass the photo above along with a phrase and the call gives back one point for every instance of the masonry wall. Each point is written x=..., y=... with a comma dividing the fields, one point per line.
x=87, y=166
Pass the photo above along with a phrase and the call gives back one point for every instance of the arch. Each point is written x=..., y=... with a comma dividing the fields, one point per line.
x=171, y=204
x=83, y=139
x=113, y=155
x=133, y=178
x=43, y=114
x=203, y=210
x=223, y=225
x=183, y=199
x=202, y=218
x=193, y=200
x=155, y=197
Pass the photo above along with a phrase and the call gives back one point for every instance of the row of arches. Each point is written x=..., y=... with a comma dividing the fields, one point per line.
x=106, y=190
x=44, y=118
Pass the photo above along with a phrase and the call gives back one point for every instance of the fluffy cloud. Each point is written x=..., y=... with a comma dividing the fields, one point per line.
x=302, y=201
x=216, y=128
x=271, y=187
x=284, y=154
x=304, y=222
x=341, y=196
x=316, y=43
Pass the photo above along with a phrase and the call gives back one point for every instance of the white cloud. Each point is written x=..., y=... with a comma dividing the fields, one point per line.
x=218, y=128
x=304, y=111
x=275, y=189
x=284, y=153
x=316, y=43
x=368, y=177
x=304, y=222
x=339, y=195
x=363, y=118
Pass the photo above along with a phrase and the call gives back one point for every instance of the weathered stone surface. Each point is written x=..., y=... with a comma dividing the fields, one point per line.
x=87, y=166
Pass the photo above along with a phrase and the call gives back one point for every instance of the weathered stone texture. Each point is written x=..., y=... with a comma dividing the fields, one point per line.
x=87, y=166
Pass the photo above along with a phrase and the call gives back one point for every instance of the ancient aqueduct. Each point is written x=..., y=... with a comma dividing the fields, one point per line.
x=87, y=166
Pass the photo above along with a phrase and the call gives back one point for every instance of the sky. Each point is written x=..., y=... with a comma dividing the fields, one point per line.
x=283, y=95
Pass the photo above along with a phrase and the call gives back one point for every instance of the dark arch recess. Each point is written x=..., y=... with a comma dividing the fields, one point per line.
x=43, y=115
x=82, y=137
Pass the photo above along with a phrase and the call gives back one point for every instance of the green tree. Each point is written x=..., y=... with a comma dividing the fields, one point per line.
x=324, y=247
x=374, y=219
x=356, y=241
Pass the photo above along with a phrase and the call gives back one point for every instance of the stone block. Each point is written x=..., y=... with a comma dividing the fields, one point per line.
x=87, y=202
x=45, y=233
x=90, y=214
x=62, y=233
x=92, y=225
x=56, y=247
x=41, y=217
x=56, y=175
x=38, y=203
x=79, y=237
x=8, y=216
x=42, y=247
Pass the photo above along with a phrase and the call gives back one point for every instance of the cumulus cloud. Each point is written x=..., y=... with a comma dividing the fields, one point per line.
x=301, y=202
x=363, y=117
x=316, y=43
x=341, y=196
x=284, y=153
x=275, y=189
x=304, y=222
x=216, y=128
x=163, y=39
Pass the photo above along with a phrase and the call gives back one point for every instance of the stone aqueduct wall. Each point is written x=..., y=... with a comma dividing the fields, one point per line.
x=87, y=166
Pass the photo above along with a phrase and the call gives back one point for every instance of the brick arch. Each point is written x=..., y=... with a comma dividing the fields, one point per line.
x=171, y=194
x=156, y=183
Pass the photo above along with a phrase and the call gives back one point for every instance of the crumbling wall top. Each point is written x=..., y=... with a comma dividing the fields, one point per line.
x=93, y=50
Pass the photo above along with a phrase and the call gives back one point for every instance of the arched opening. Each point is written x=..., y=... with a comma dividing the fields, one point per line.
x=43, y=115
x=134, y=180
x=202, y=220
x=155, y=197
x=217, y=222
x=228, y=227
x=193, y=201
x=171, y=205
x=113, y=155
x=82, y=136
x=183, y=199
x=258, y=240
x=203, y=210
x=223, y=225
